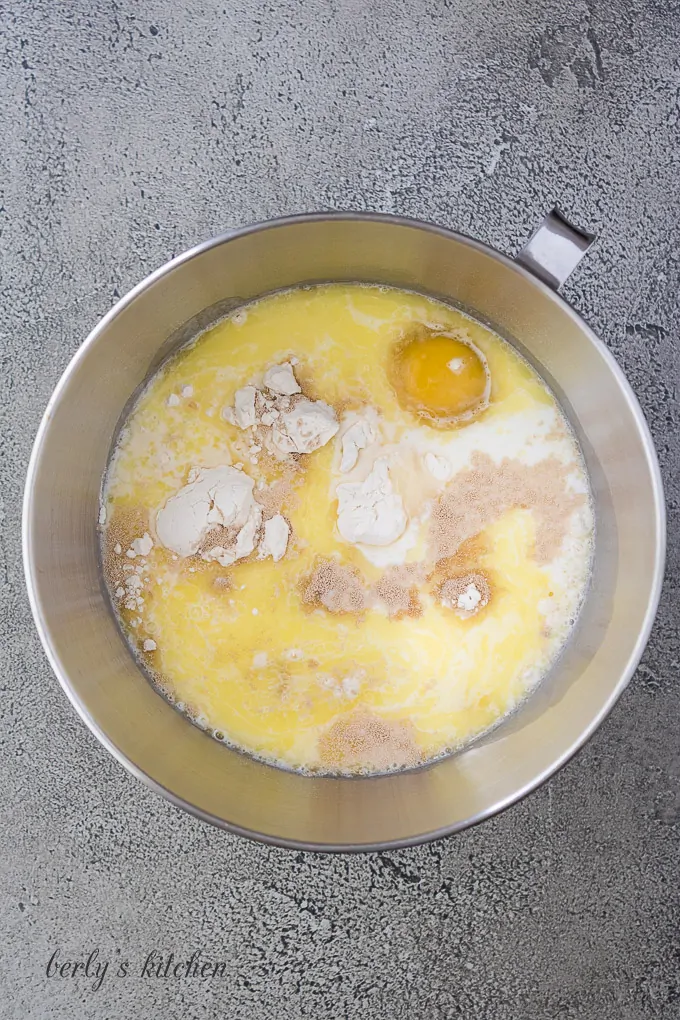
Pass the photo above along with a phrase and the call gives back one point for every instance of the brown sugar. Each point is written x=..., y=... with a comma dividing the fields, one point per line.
x=280, y=493
x=337, y=588
x=480, y=494
x=125, y=524
x=397, y=589
x=217, y=537
x=467, y=557
x=364, y=742
x=223, y=583
x=342, y=589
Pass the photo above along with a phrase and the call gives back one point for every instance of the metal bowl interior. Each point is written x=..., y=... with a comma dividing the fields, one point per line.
x=86, y=648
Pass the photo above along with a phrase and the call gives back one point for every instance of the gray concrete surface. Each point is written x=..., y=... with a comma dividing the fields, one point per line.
x=132, y=129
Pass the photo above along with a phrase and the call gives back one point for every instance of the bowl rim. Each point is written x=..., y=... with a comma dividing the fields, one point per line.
x=31, y=568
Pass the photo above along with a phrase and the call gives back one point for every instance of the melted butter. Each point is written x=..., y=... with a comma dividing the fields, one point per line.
x=451, y=678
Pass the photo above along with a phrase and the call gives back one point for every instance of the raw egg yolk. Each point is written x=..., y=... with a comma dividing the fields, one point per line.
x=440, y=377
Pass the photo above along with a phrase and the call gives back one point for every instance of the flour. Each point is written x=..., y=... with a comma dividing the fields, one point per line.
x=469, y=599
x=275, y=539
x=370, y=512
x=142, y=546
x=220, y=497
x=244, y=407
x=359, y=433
x=305, y=428
x=291, y=423
x=281, y=379
x=467, y=593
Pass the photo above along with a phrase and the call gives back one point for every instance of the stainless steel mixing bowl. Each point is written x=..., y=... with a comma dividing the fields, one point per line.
x=85, y=646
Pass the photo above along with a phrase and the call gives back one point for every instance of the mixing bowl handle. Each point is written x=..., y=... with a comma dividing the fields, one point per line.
x=555, y=249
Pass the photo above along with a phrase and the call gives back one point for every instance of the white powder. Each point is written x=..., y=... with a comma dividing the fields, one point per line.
x=358, y=434
x=469, y=599
x=244, y=407
x=275, y=540
x=281, y=379
x=244, y=544
x=296, y=425
x=142, y=546
x=305, y=428
x=214, y=496
x=370, y=512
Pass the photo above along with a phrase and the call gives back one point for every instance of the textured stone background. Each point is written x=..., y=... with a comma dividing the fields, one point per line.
x=132, y=129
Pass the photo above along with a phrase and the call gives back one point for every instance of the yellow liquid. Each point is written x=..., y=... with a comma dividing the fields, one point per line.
x=448, y=678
